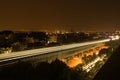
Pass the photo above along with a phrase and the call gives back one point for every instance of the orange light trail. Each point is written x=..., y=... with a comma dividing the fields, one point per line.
x=74, y=62
x=78, y=59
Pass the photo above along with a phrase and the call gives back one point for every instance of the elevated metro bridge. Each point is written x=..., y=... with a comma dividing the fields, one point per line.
x=50, y=53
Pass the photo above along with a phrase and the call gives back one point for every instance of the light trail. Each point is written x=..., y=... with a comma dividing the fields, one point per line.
x=89, y=66
x=29, y=53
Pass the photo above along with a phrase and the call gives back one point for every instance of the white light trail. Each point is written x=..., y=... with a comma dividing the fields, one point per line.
x=28, y=53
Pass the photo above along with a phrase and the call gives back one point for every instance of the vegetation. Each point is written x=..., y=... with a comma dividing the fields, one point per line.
x=108, y=52
x=111, y=69
x=22, y=40
x=113, y=46
x=56, y=70
x=18, y=41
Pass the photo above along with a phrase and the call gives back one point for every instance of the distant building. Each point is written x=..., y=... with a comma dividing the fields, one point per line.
x=5, y=50
x=52, y=38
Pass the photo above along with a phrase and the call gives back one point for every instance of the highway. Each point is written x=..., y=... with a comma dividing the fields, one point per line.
x=35, y=52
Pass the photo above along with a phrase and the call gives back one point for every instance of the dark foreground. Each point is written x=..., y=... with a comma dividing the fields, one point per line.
x=57, y=70
x=111, y=70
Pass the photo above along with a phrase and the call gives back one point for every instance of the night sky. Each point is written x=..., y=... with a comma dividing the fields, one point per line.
x=76, y=15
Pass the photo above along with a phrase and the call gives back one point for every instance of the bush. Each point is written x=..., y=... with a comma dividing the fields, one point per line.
x=57, y=70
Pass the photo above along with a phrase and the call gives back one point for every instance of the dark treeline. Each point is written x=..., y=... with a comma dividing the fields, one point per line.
x=17, y=41
x=79, y=37
x=22, y=40
x=56, y=70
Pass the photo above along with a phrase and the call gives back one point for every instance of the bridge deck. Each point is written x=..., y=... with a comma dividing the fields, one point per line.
x=29, y=53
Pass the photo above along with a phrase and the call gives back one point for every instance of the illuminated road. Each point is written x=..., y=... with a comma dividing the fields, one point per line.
x=29, y=53
x=89, y=66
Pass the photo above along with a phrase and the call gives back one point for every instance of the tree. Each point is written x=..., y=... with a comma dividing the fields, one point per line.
x=20, y=37
x=6, y=38
x=17, y=46
x=103, y=51
x=82, y=36
x=39, y=36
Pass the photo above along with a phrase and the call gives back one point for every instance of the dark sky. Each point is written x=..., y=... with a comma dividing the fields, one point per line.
x=80, y=15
